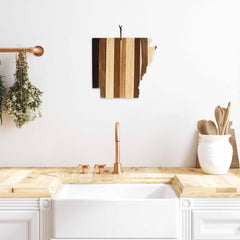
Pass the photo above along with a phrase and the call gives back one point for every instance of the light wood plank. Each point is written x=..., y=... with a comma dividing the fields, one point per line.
x=129, y=86
x=122, y=67
x=110, y=68
x=151, y=51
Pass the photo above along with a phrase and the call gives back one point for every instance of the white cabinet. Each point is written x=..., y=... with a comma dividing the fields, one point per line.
x=19, y=219
x=210, y=219
x=216, y=224
x=19, y=225
x=200, y=219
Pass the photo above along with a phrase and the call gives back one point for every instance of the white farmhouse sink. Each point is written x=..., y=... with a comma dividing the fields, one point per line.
x=115, y=211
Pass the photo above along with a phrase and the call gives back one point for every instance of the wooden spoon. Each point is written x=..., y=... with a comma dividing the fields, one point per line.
x=210, y=128
x=219, y=116
x=207, y=127
x=201, y=126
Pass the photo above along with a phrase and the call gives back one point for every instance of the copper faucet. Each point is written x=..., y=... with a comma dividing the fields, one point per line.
x=117, y=165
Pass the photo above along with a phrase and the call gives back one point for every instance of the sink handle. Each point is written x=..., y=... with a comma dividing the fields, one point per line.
x=99, y=167
x=83, y=167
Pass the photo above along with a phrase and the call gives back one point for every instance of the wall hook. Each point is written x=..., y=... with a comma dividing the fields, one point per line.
x=120, y=27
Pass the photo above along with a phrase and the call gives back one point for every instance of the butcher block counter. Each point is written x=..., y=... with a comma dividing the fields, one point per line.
x=188, y=182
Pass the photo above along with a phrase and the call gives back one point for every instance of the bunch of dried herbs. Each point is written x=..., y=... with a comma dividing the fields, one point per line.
x=2, y=95
x=22, y=100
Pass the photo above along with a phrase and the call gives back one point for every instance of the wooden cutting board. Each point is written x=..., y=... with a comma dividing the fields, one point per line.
x=232, y=140
x=118, y=65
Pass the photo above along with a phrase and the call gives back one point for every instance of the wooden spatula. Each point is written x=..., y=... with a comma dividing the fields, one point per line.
x=219, y=116
x=226, y=119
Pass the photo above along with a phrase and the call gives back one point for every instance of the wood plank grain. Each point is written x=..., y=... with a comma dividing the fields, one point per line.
x=144, y=56
x=140, y=65
x=119, y=65
x=95, y=61
x=122, y=67
x=129, y=86
x=110, y=68
x=102, y=65
x=136, y=67
x=117, y=68
x=151, y=51
x=188, y=182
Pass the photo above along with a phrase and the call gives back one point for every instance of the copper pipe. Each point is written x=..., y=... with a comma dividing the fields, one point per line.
x=37, y=50
x=117, y=165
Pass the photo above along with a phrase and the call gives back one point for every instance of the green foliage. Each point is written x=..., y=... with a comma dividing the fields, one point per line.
x=2, y=95
x=22, y=100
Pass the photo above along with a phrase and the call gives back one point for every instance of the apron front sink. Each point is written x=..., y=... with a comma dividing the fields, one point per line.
x=115, y=211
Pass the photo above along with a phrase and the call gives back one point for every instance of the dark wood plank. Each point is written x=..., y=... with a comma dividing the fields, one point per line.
x=95, y=61
x=102, y=65
x=117, y=68
x=136, y=67
x=144, y=49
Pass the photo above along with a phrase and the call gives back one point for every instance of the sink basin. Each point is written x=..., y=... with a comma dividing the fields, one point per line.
x=115, y=211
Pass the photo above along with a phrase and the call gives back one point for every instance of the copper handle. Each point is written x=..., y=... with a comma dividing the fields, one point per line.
x=99, y=167
x=83, y=167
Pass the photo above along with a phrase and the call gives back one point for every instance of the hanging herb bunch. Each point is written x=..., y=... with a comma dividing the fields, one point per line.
x=22, y=100
x=2, y=95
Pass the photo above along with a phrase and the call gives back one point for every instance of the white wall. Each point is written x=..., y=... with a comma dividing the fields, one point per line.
x=196, y=67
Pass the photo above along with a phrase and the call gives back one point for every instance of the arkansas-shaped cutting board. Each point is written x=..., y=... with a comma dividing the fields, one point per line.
x=118, y=65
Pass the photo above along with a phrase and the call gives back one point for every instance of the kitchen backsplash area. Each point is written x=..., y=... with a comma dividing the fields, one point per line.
x=189, y=76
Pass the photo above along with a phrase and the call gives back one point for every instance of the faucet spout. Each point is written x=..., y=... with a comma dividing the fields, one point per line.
x=117, y=165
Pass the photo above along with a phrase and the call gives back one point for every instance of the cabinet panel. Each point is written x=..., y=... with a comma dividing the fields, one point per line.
x=216, y=224
x=19, y=225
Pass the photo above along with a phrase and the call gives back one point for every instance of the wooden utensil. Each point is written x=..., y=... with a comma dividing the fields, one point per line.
x=226, y=119
x=201, y=127
x=219, y=116
x=207, y=127
x=210, y=128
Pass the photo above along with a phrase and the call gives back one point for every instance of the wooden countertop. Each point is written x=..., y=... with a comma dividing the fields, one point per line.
x=188, y=182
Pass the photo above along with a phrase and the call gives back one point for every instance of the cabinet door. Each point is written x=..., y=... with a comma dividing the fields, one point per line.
x=216, y=224
x=19, y=225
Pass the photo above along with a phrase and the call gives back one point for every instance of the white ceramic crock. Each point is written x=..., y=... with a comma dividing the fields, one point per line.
x=215, y=153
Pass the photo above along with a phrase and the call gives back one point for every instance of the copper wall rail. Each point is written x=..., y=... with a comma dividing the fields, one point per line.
x=37, y=50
